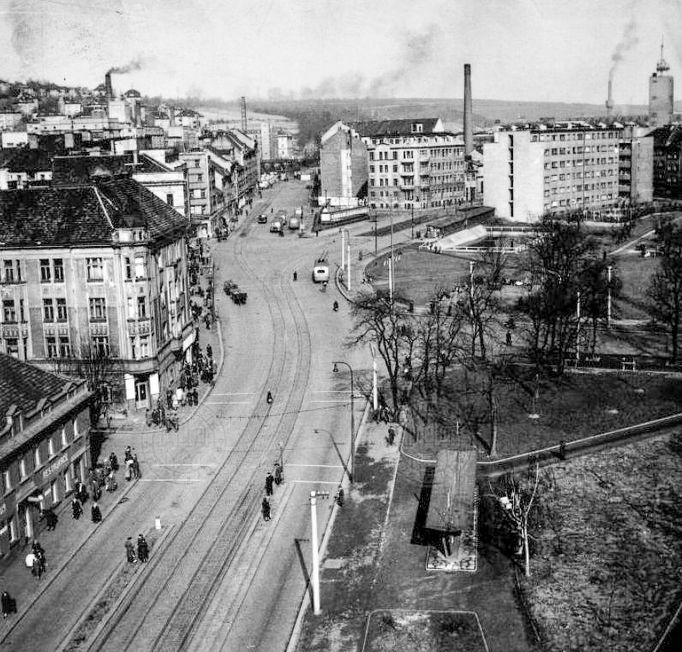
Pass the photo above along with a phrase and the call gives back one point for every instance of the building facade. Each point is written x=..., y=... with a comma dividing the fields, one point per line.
x=668, y=161
x=413, y=163
x=533, y=171
x=96, y=271
x=343, y=167
x=635, y=167
x=44, y=445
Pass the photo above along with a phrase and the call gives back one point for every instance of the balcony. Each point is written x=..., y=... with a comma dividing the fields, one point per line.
x=139, y=326
x=14, y=329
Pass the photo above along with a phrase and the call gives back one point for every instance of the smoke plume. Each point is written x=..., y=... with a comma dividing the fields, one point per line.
x=627, y=42
x=132, y=66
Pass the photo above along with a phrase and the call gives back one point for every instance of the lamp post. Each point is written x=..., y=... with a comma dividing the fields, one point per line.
x=345, y=255
x=351, y=474
x=608, y=298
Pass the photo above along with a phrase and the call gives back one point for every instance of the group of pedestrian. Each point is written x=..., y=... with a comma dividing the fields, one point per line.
x=132, y=464
x=50, y=518
x=142, y=552
x=271, y=479
x=36, y=560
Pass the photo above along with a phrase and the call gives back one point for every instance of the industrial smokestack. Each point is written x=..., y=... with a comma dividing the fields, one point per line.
x=244, y=123
x=468, y=125
x=609, y=101
x=109, y=88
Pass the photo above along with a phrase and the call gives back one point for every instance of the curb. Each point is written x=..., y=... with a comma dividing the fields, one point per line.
x=305, y=600
x=67, y=561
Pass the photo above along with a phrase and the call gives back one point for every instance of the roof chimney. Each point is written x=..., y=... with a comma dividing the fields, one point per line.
x=468, y=126
x=109, y=88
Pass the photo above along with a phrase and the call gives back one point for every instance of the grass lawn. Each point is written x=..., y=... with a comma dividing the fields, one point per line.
x=570, y=407
x=635, y=273
x=607, y=558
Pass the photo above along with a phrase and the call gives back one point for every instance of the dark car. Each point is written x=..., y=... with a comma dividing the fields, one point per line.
x=262, y=218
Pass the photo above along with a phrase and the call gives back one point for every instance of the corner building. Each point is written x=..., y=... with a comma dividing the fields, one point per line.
x=96, y=270
x=44, y=445
x=530, y=172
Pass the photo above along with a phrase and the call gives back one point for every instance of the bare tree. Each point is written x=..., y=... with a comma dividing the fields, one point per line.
x=388, y=325
x=666, y=285
x=515, y=497
x=556, y=258
x=96, y=366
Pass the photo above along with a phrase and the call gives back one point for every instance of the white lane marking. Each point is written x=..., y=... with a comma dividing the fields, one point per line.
x=317, y=466
x=314, y=482
x=232, y=393
x=339, y=400
x=329, y=391
x=172, y=480
x=228, y=402
x=188, y=464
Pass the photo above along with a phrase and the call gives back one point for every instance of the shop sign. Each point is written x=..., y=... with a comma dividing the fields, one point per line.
x=55, y=466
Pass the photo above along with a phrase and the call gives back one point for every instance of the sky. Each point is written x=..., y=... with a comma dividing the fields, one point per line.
x=519, y=50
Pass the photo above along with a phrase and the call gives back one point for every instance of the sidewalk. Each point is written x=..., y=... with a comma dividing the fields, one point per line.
x=70, y=535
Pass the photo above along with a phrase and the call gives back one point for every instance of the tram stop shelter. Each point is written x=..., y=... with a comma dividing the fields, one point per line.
x=451, y=506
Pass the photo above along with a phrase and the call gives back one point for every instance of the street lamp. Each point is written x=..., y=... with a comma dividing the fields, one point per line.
x=352, y=416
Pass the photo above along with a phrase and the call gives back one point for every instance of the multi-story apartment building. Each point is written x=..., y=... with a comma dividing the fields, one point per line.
x=343, y=166
x=96, y=270
x=668, y=161
x=44, y=445
x=413, y=163
x=410, y=163
x=531, y=171
x=635, y=166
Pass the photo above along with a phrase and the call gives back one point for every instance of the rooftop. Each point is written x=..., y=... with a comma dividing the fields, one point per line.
x=374, y=128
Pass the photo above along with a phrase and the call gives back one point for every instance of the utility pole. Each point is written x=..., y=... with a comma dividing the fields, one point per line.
x=315, y=575
x=608, y=299
x=375, y=388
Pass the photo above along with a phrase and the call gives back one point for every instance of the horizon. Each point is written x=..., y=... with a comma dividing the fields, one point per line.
x=332, y=49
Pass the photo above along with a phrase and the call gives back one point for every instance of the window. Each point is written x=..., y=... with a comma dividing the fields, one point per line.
x=141, y=307
x=22, y=468
x=61, y=310
x=7, y=480
x=144, y=347
x=76, y=434
x=9, y=271
x=58, y=270
x=64, y=439
x=50, y=447
x=36, y=457
x=95, y=269
x=100, y=345
x=64, y=347
x=169, y=199
x=48, y=310
x=12, y=347
x=128, y=268
x=140, y=271
x=9, y=313
x=51, y=346
x=45, y=270
x=98, y=309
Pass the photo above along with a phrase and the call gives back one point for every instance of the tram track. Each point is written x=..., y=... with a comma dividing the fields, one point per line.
x=198, y=556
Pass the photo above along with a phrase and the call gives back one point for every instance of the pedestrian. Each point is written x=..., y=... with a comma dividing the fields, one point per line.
x=142, y=548
x=265, y=508
x=8, y=605
x=562, y=449
x=268, y=484
x=207, y=321
x=129, y=469
x=130, y=551
x=169, y=398
x=113, y=460
x=36, y=548
x=509, y=338
x=295, y=275
x=96, y=491
x=111, y=482
x=340, y=495
x=391, y=436
x=136, y=467
x=127, y=454
x=95, y=513
x=209, y=351
x=81, y=492
x=37, y=568
x=76, y=508
x=278, y=474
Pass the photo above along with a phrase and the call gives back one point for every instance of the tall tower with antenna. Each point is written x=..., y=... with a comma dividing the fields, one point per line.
x=661, y=94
